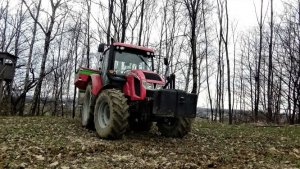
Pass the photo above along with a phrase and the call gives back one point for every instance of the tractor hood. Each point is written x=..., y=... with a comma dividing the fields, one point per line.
x=147, y=76
x=138, y=82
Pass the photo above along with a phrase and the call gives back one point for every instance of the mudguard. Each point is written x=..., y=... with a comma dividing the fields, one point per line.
x=97, y=84
x=82, y=77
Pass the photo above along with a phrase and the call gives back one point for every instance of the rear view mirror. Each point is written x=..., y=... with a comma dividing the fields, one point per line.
x=101, y=47
x=166, y=61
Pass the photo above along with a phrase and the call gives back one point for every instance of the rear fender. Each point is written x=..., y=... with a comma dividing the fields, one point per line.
x=97, y=84
x=81, y=81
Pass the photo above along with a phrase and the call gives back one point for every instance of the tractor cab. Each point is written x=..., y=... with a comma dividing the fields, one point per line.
x=120, y=61
x=122, y=57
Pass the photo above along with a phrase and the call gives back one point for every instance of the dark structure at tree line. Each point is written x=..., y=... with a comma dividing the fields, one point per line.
x=7, y=73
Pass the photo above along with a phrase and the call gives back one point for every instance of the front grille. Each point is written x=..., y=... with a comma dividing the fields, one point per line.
x=152, y=76
x=137, y=87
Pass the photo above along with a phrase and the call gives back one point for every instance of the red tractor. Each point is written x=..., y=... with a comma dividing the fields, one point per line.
x=126, y=93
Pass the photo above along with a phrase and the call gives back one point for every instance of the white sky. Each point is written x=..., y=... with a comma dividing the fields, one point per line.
x=243, y=11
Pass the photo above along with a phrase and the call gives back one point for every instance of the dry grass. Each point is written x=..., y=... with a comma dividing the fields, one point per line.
x=52, y=142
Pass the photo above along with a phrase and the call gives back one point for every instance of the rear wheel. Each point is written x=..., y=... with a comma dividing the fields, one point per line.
x=111, y=114
x=88, y=109
x=174, y=127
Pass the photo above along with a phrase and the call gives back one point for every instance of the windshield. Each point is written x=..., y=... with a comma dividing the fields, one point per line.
x=128, y=61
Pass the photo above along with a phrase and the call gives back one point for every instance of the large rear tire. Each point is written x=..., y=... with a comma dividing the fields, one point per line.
x=87, y=118
x=174, y=127
x=111, y=114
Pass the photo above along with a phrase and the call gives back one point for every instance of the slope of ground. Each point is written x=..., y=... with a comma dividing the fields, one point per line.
x=52, y=142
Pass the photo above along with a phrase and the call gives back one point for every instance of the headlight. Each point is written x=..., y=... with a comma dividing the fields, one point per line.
x=159, y=86
x=148, y=85
x=152, y=86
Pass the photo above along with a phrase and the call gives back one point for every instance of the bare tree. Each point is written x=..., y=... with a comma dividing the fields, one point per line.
x=124, y=19
x=88, y=3
x=220, y=70
x=192, y=7
x=258, y=69
x=270, y=71
x=234, y=40
x=110, y=14
x=141, y=22
x=225, y=40
x=76, y=34
x=206, y=57
x=161, y=36
x=48, y=38
x=27, y=82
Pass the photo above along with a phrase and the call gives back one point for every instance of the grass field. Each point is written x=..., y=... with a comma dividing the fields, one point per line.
x=53, y=142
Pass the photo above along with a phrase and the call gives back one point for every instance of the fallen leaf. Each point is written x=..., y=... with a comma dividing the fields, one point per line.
x=39, y=157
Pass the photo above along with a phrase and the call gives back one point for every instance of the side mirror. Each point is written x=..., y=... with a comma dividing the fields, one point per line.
x=166, y=61
x=101, y=47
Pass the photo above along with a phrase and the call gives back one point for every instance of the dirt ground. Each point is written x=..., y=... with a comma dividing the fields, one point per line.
x=55, y=142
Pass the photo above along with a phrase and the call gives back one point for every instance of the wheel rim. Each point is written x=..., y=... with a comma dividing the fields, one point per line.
x=103, y=115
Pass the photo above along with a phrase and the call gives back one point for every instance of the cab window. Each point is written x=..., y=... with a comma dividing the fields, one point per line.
x=125, y=60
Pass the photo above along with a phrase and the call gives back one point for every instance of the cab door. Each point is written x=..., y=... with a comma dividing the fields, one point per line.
x=104, y=66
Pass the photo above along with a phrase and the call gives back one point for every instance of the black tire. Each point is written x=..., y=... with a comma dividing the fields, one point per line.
x=139, y=126
x=174, y=127
x=111, y=114
x=87, y=118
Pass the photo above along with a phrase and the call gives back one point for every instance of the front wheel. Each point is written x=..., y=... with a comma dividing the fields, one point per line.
x=111, y=114
x=174, y=127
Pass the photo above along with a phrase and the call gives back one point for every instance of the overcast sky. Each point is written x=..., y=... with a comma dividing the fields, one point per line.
x=243, y=11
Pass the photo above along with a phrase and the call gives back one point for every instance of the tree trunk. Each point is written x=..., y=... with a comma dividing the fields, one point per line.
x=76, y=34
x=206, y=59
x=160, y=65
x=193, y=9
x=270, y=72
x=228, y=64
x=88, y=33
x=194, y=56
x=110, y=13
x=257, y=76
x=124, y=20
x=187, y=80
x=38, y=88
x=142, y=21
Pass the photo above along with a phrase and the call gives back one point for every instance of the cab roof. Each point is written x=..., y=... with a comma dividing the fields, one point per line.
x=133, y=47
